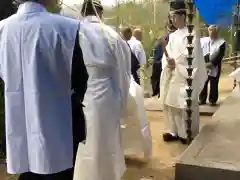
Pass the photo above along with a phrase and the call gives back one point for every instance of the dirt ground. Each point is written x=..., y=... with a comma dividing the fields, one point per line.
x=161, y=165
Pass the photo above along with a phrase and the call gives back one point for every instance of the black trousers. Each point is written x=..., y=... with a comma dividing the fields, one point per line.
x=79, y=135
x=64, y=175
x=213, y=94
x=155, y=78
x=136, y=77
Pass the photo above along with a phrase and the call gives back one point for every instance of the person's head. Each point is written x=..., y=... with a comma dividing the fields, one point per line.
x=178, y=13
x=45, y=3
x=213, y=32
x=92, y=8
x=127, y=33
x=137, y=33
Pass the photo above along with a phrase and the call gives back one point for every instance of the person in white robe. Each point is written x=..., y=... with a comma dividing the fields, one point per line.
x=135, y=128
x=38, y=55
x=107, y=58
x=173, y=79
x=213, y=50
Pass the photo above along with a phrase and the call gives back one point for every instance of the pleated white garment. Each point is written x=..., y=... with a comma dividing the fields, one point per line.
x=135, y=129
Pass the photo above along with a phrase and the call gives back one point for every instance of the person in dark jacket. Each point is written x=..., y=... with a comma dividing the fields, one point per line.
x=157, y=69
x=214, y=50
x=158, y=53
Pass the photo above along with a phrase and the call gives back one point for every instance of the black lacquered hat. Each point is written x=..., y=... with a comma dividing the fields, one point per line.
x=97, y=3
x=177, y=6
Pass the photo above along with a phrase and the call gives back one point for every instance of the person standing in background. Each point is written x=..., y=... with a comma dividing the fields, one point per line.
x=45, y=81
x=214, y=50
x=126, y=33
x=157, y=67
x=157, y=61
x=138, y=50
x=135, y=65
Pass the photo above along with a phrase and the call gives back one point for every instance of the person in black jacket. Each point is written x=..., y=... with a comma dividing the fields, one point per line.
x=157, y=68
x=157, y=61
x=215, y=49
x=135, y=65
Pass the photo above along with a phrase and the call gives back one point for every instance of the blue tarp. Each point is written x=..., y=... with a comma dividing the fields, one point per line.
x=217, y=12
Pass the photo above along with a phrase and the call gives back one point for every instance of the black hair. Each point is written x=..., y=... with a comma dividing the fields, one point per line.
x=169, y=25
x=23, y=1
x=89, y=9
x=127, y=30
x=181, y=12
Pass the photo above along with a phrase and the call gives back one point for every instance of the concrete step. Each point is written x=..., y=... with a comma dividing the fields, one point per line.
x=152, y=104
x=214, y=154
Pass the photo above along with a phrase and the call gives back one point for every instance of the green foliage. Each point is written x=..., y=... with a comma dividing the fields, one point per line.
x=57, y=9
x=142, y=16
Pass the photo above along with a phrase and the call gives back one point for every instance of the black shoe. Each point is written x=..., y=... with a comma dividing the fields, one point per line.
x=202, y=103
x=213, y=104
x=183, y=140
x=167, y=137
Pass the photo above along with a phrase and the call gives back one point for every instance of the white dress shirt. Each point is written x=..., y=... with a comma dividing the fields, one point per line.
x=138, y=50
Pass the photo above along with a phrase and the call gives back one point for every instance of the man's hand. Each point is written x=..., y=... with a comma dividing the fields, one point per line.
x=209, y=65
x=171, y=63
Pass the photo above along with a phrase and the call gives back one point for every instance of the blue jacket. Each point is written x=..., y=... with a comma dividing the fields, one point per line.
x=158, y=53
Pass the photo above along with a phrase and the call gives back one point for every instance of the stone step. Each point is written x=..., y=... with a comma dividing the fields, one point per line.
x=152, y=104
x=214, y=154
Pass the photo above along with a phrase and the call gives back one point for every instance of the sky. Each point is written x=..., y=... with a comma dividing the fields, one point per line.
x=104, y=2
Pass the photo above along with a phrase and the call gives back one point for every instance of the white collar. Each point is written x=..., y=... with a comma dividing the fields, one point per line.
x=133, y=38
x=30, y=7
x=92, y=19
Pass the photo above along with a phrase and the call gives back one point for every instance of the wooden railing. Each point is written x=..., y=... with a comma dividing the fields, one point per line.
x=232, y=60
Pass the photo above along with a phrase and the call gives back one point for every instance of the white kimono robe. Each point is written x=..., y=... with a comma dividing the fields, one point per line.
x=107, y=58
x=173, y=83
x=136, y=133
x=36, y=50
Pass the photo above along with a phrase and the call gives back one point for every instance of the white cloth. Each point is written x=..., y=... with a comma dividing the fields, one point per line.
x=107, y=58
x=36, y=52
x=173, y=84
x=235, y=75
x=176, y=120
x=212, y=48
x=137, y=48
x=136, y=133
x=205, y=45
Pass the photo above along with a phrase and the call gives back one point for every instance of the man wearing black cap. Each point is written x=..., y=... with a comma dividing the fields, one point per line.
x=173, y=79
x=45, y=81
x=107, y=58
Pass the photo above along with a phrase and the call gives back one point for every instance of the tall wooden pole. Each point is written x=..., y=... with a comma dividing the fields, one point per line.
x=154, y=11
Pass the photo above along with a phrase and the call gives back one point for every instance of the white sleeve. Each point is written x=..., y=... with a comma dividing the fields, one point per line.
x=140, y=54
x=123, y=56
